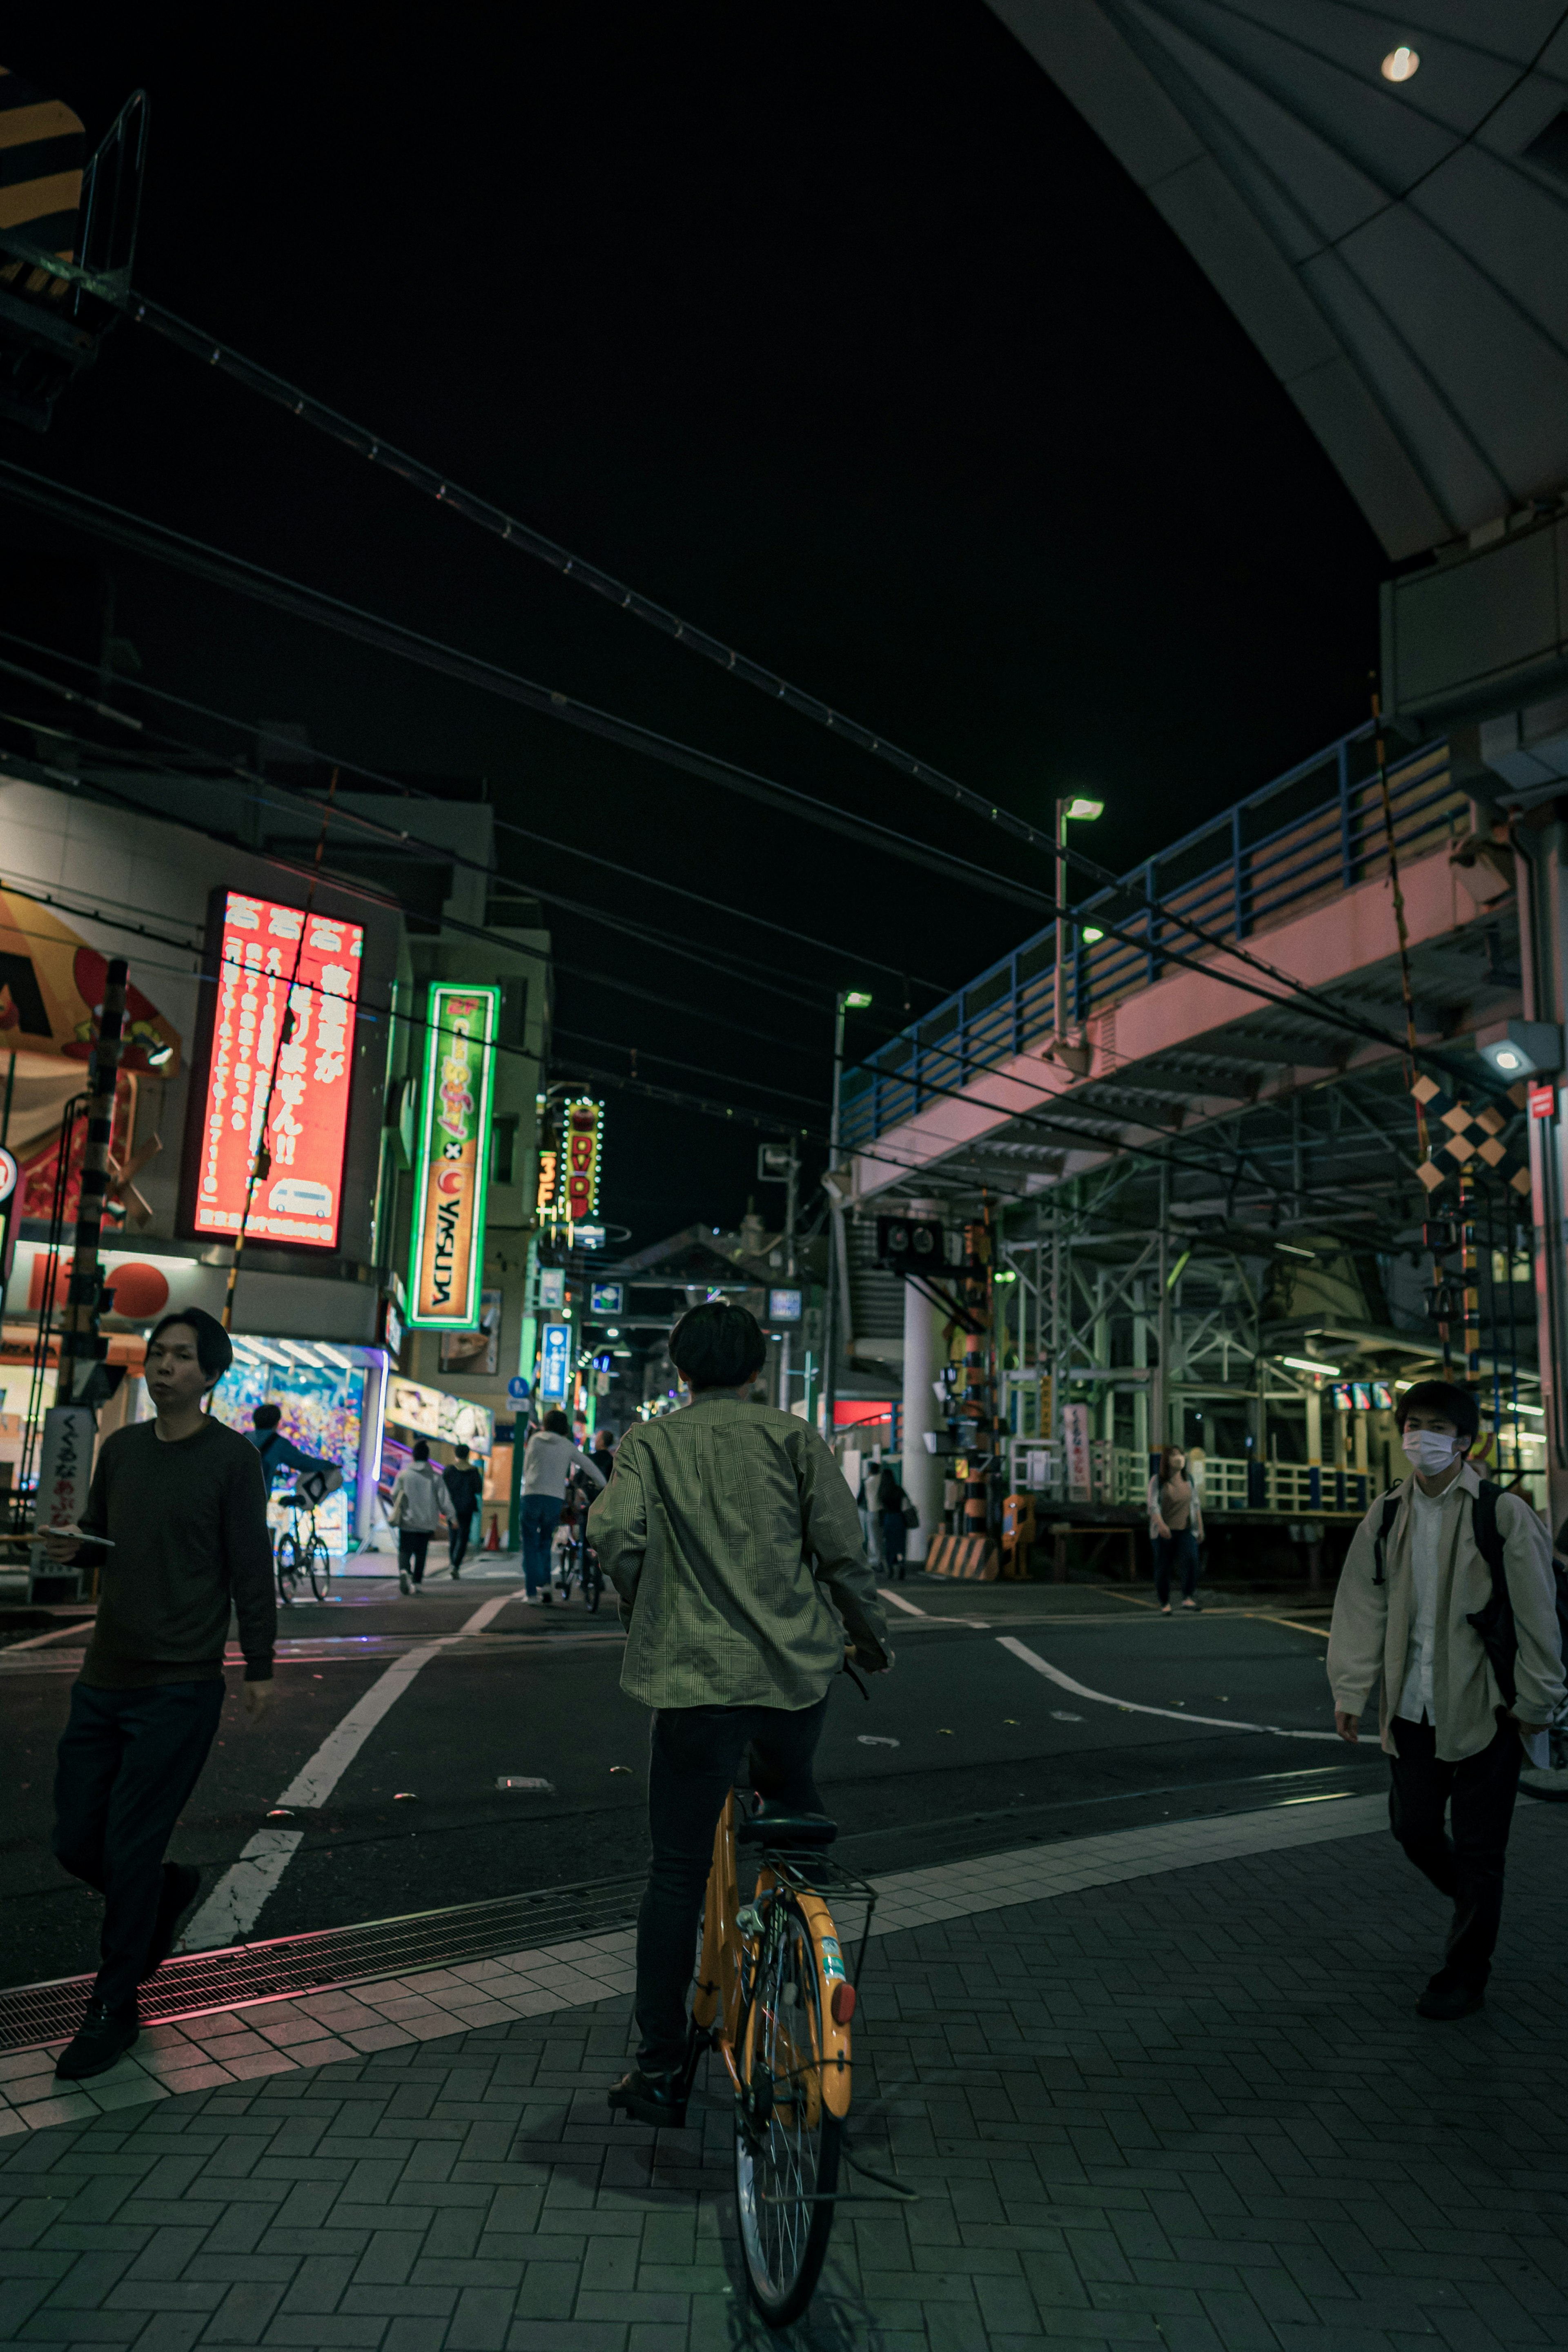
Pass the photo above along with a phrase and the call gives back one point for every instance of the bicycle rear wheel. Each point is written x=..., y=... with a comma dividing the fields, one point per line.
x=787, y=2144
x=287, y=1567
x=592, y=1581
x=318, y=1560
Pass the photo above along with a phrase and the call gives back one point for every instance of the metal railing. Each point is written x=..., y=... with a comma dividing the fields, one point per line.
x=1303, y=840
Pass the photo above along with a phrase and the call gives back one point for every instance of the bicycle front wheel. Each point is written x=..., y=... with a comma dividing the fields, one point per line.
x=287, y=1567
x=787, y=2143
x=318, y=1559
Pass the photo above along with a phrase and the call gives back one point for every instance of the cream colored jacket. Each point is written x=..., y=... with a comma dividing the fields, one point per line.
x=1371, y=1631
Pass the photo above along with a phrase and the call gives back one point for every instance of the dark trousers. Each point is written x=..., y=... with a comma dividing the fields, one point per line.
x=696, y=1753
x=413, y=1543
x=541, y=1516
x=128, y=1761
x=892, y=1533
x=1175, y=1555
x=458, y=1543
x=1469, y=1866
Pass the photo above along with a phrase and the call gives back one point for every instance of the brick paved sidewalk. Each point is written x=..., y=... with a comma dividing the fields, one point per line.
x=1192, y=2109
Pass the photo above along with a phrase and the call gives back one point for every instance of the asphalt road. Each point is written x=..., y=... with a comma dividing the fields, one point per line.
x=967, y=1746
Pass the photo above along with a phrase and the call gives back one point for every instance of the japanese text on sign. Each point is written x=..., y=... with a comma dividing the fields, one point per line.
x=276, y=962
x=451, y=1169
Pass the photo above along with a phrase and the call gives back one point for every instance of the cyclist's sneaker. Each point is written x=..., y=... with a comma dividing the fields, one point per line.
x=659, y=2099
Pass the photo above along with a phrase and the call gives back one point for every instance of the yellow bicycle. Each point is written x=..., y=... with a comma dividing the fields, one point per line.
x=775, y=1999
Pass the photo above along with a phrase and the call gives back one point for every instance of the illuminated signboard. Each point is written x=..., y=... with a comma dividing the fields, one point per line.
x=582, y=1137
x=264, y=961
x=450, y=1167
x=607, y=1298
x=432, y=1412
x=784, y=1306
x=556, y=1350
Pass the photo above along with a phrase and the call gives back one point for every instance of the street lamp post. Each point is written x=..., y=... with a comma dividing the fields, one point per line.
x=1079, y=807
x=850, y=1000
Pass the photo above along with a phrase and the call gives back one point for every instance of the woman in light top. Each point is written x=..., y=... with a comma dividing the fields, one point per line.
x=1175, y=1525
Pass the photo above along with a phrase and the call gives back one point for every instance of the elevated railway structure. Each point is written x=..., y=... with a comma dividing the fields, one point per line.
x=1215, y=1219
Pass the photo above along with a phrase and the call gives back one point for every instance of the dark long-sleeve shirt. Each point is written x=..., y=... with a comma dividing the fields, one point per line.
x=187, y=1523
x=279, y=1452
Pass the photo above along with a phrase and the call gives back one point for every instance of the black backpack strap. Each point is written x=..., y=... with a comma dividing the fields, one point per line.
x=1489, y=1535
x=1380, y=1540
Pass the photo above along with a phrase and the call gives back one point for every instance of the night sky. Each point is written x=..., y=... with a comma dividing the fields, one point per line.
x=839, y=332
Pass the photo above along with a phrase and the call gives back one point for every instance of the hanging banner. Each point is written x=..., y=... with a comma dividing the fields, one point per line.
x=1075, y=1439
x=452, y=1164
x=287, y=988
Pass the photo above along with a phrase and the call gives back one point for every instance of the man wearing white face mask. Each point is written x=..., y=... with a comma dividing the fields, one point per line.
x=1419, y=1569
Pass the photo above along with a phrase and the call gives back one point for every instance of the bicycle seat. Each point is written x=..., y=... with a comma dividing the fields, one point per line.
x=785, y=1829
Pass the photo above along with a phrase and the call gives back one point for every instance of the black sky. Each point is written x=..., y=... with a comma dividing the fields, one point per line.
x=837, y=330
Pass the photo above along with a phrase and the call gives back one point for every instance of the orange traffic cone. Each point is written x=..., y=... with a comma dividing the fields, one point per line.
x=493, y=1541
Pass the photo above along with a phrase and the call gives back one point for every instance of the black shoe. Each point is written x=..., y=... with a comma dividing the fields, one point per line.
x=1448, y=1996
x=101, y=2042
x=181, y=1884
x=546, y=1600
x=654, y=2098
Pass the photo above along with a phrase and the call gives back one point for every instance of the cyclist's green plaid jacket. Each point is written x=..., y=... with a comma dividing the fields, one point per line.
x=727, y=1530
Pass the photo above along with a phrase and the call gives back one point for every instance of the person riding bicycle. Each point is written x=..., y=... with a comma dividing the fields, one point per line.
x=277, y=1451
x=732, y=1539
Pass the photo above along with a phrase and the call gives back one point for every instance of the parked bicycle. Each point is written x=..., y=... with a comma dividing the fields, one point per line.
x=578, y=1560
x=304, y=1554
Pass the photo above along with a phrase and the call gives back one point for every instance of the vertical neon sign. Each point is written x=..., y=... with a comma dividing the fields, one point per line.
x=452, y=1166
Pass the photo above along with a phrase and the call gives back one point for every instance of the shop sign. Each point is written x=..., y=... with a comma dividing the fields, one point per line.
x=450, y=1168
x=432, y=1412
x=287, y=986
x=65, y=1465
x=582, y=1133
x=555, y=1359
x=607, y=1298
x=553, y=1287
x=145, y=1286
x=784, y=1306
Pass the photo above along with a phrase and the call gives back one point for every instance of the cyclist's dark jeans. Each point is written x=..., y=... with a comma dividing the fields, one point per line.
x=413, y=1543
x=696, y=1755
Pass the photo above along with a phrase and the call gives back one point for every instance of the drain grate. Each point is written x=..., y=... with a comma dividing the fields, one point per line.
x=31, y=2015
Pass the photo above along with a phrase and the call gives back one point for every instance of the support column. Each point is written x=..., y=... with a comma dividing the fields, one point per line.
x=1315, y=1403
x=1543, y=853
x=923, y=1328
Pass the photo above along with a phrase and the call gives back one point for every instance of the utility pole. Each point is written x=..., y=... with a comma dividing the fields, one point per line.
x=1079, y=806
x=848, y=1000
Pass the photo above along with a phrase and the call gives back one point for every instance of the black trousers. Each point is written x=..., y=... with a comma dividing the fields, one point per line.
x=128, y=1761
x=458, y=1543
x=697, y=1754
x=1175, y=1555
x=413, y=1543
x=1469, y=1866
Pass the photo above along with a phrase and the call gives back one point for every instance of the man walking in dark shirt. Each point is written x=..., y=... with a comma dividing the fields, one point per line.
x=465, y=1485
x=180, y=1504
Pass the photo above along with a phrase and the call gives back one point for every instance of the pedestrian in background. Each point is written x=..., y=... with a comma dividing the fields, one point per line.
x=181, y=1503
x=1175, y=1526
x=1415, y=1577
x=548, y=1460
x=892, y=1505
x=464, y=1485
x=417, y=1509
x=603, y=1454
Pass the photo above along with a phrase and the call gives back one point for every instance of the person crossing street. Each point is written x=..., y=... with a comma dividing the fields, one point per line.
x=464, y=1487
x=548, y=1459
x=418, y=1507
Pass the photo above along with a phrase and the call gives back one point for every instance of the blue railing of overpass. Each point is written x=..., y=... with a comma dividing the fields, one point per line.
x=1304, y=838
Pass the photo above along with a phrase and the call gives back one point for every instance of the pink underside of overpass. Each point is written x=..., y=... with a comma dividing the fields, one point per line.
x=1328, y=946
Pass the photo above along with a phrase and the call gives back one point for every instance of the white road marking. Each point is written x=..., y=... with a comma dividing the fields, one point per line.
x=234, y=1904
x=60, y=1634
x=1133, y=1707
x=898, y=1602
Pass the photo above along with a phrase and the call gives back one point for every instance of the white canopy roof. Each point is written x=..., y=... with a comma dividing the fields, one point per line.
x=1398, y=251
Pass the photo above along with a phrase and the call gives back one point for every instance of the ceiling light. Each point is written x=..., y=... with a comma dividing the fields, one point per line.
x=1310, y=1364
x=1521, y=1049
x=1400, y=64
x=1538, y=1410
x=1293, y=1249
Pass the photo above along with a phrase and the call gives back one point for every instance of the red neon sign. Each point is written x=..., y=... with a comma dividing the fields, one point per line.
x=300, y=1199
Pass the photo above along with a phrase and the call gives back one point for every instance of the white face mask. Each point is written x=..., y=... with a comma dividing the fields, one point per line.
x=1429, y=1450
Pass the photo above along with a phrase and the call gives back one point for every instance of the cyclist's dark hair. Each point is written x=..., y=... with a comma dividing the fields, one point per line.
x=1462, y=1406
x=213, y=1352
x=717, y=1346
x=556, y=1422
x=421, y=1450
x=267, y=1417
